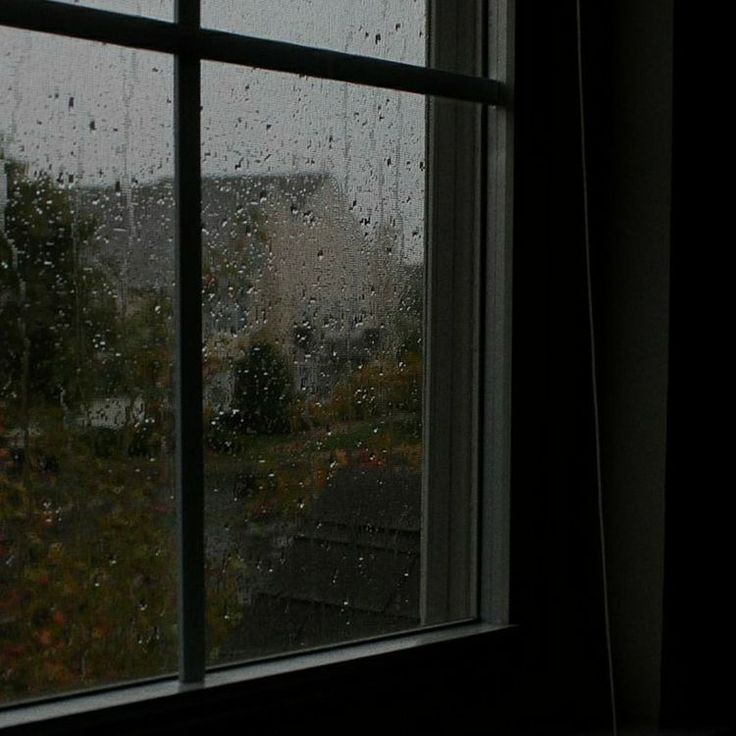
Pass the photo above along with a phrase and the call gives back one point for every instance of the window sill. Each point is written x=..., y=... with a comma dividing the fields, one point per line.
x=284, y=676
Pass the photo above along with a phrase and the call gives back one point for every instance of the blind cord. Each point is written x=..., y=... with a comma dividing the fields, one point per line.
x=594, y=378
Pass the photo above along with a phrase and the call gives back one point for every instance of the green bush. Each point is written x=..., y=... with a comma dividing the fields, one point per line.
x=380, y=389
x=264, y=391
x=223, y=433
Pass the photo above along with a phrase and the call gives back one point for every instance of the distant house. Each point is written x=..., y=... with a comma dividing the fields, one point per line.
x=284, y=258
x=113, y=412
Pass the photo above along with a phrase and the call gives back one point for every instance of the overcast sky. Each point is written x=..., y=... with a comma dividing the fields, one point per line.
x=104, y=113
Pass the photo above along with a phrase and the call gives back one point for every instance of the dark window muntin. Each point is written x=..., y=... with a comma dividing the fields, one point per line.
x=485, y=431
x=186, y=39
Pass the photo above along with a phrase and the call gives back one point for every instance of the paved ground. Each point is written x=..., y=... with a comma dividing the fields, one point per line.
x=347, y=569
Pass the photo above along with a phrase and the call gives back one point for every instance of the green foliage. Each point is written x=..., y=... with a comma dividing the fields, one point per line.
x=380, y=389
x=87, y=591
x=145, y=365
x=264, y=394
x=87, y=560
x=56, y=310
x=408, y=317
x=146, y=370
x=223, y=431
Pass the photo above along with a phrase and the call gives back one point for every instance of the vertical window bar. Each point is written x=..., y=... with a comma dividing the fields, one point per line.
x=450, y=498
x=189, y=461
x=496, y=439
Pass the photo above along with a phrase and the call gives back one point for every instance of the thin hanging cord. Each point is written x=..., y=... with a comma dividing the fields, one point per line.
x=593, y=363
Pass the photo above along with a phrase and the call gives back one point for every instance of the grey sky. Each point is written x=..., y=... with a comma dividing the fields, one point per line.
x=104, y=113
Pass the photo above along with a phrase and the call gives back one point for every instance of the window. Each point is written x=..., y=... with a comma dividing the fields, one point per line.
x=255, y=307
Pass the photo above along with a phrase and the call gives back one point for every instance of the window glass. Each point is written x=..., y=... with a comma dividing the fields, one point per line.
x=386, y=29
x=334, y=340
x=159, y=9
x=313, y=213
x=87, y=568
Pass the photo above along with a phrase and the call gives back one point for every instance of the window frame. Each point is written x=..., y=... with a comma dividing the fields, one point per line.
x=485, y=438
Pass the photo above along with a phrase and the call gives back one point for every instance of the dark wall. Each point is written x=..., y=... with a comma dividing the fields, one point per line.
x=628, y=65
x=698, y=674
x=660, y=223
x=556, y=562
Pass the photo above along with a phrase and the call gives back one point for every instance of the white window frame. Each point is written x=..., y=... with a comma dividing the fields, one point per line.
x=468, y=332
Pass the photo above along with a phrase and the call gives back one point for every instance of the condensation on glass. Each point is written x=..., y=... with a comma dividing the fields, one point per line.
x=87, y=516
x=313, y=216
x=158, y=9
x=385, y=29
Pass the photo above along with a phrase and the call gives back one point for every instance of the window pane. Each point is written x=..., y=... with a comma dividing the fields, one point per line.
x=313, y=212
x=394, y=30
x=87, y=571
x=160, y=9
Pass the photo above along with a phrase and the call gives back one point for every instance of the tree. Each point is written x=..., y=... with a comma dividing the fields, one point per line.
x=57, y=313
x=264, y=393
x=86, y=585
x=233, y=264
x=410, y=309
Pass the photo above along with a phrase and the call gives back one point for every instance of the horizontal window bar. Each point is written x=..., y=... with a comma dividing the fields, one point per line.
x=156, y=35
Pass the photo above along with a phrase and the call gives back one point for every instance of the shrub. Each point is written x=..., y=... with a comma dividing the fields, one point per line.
x=264, y=391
